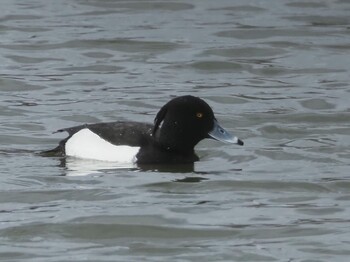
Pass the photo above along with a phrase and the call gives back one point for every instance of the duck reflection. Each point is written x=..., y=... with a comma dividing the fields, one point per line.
x=83, y=167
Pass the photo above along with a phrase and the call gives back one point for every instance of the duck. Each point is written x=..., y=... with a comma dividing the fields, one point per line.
x=178, y=127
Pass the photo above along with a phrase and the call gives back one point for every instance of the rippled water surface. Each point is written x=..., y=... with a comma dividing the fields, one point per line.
x=277, y=75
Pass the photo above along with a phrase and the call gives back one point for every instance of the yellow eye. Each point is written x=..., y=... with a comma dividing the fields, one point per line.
x=199, y=115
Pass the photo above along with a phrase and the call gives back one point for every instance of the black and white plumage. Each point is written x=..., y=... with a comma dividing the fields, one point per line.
x=178, y=127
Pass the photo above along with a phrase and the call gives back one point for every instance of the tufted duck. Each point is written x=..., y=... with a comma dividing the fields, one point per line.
x=178, y=127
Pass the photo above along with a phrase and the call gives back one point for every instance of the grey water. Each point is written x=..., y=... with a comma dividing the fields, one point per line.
x=275, y=72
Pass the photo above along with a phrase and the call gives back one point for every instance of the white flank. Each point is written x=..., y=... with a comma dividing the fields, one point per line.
x=86, y=144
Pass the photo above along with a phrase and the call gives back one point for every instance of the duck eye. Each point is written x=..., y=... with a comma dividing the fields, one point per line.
x=199, y=115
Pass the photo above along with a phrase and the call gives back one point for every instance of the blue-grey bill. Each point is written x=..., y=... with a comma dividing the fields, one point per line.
x=220, y=134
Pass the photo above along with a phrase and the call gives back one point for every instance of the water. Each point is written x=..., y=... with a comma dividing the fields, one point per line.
x=275, y=72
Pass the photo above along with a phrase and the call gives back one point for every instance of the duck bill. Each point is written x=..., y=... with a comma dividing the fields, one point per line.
x=220, y=134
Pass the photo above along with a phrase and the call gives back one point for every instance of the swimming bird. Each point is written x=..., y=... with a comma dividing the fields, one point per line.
x=178, y=126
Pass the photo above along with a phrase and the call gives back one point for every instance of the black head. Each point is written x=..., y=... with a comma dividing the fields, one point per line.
x=184, y=121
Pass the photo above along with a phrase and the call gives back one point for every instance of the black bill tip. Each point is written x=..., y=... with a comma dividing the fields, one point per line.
x=240, y=142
